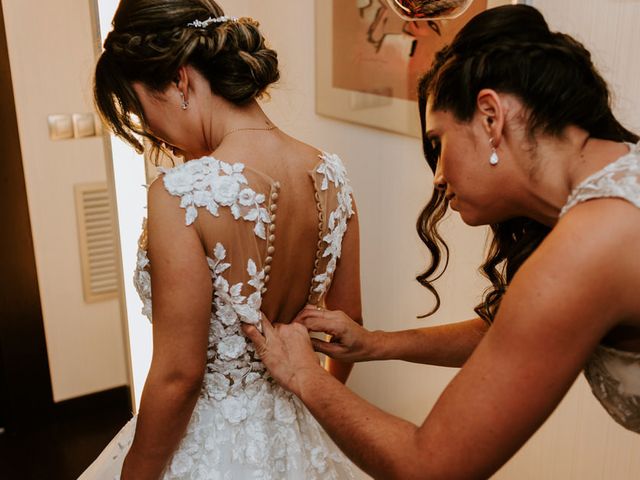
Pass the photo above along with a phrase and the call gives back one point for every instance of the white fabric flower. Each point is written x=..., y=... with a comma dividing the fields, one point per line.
x=232, y=347
x=195, y=168
x=227, y=314
x=248, y=314
x=178, y=181
x=319, y=459
x=233, y=409
x=333, y=170
x=201, y=198
x=142, y=282
x=283, y=410
x=251, y=377
x=216, y=385
x=247, y=197
x=217, y=330
x=181, y=463
x=225, y=190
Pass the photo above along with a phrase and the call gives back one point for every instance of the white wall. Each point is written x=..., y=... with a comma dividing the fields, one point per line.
x=610, y=31
x=51, y=51
x=392, y=183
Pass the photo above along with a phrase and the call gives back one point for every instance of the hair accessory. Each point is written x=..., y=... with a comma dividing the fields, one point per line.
x=210, y=20
x=493, y=159
x=185, y=104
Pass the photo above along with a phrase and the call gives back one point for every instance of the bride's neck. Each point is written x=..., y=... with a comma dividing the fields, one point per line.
x=225, y=117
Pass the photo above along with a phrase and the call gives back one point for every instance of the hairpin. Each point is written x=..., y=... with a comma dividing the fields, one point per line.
x=210, y=20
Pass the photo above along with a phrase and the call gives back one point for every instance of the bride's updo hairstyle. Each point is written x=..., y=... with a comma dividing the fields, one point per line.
x=152, y=39
x=511, y=50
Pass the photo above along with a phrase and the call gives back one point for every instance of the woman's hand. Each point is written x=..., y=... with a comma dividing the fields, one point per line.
x=286, y=351
x=349, y=340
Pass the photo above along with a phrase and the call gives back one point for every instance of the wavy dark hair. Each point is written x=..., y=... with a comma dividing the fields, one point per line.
x=510, y=49
x=151, y=40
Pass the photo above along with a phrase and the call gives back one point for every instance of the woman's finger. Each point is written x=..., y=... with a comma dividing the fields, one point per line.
x=331, y=349
x=322, y=321
x=309, y=310
x=259, y=342
x=267, y=326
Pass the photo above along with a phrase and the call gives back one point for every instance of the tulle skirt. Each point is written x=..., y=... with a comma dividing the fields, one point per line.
x=261, y=433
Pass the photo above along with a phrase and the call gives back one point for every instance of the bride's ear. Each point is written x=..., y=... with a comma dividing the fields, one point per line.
x=490, y=107
x=181, y=81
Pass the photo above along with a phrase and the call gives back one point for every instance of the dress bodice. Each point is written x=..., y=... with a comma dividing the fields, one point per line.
x=614, y=375
x=244, y=202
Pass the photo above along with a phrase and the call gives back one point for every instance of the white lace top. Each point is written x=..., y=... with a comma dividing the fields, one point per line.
x=242, y=414
x=614, y=375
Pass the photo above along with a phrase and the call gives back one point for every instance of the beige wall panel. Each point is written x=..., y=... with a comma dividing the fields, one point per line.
x=51, y=49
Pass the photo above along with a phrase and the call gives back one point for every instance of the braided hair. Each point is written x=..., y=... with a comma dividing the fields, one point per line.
x=152, y=39
x=511, y=50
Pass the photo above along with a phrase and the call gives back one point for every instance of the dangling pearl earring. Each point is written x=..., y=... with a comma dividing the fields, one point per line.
x=493, y=159
x=184, y=104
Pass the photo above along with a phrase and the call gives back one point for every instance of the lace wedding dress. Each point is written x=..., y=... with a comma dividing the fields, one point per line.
x=614, y=375
x=244, y=426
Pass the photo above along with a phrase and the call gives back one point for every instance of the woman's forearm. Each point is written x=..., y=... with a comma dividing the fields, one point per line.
x=165, y=410
x=381, y=444
x=447, y=345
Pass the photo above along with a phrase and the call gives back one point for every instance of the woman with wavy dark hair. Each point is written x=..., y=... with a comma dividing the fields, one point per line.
x=519, y=132
x=253, y=219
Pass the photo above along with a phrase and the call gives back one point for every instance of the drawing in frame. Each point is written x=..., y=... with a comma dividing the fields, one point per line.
x=369, y=60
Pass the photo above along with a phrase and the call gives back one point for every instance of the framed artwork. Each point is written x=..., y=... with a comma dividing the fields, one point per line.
x=369, y=60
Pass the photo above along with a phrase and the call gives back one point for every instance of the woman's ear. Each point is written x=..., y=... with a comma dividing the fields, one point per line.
x=181, y=81
x=491, y=110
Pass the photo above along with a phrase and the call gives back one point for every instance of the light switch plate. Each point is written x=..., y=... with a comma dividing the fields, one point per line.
x=84, y=125
x=98, y=124
x=60, y=127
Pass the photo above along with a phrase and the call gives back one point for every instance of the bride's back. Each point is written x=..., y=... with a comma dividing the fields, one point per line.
x=294, y=235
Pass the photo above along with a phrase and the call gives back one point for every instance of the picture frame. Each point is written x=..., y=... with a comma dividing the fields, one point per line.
x=368, y=61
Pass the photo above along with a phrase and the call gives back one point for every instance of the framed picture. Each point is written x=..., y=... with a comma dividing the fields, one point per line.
x=369, y=60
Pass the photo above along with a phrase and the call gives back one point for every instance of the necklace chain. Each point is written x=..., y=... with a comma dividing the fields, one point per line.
x=273, y=127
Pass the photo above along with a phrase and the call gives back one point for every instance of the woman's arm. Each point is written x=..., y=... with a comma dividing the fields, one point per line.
x=182, y=290
x=554, y=314
x=344, y=292
x=447, y=345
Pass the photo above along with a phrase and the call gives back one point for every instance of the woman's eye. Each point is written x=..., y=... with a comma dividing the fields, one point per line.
x=435, y=145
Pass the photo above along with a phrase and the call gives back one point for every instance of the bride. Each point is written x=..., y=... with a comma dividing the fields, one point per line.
x=253, y=220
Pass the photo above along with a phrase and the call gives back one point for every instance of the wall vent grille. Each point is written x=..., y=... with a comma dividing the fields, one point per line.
x=96, y=225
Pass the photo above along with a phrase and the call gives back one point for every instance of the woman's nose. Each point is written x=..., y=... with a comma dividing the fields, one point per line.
x=438, y=178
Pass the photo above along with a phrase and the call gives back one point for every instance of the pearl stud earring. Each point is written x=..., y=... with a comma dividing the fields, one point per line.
x=185, y=103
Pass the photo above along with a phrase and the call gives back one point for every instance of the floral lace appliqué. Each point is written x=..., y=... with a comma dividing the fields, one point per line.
x=614, y=376
x=619, y=179
x=334, y=172
x=211, y=184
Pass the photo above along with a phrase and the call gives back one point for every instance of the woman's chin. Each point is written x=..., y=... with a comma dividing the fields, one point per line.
x=470, y=218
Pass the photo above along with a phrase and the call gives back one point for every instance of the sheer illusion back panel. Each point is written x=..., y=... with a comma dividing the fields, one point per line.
x=293, y=249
